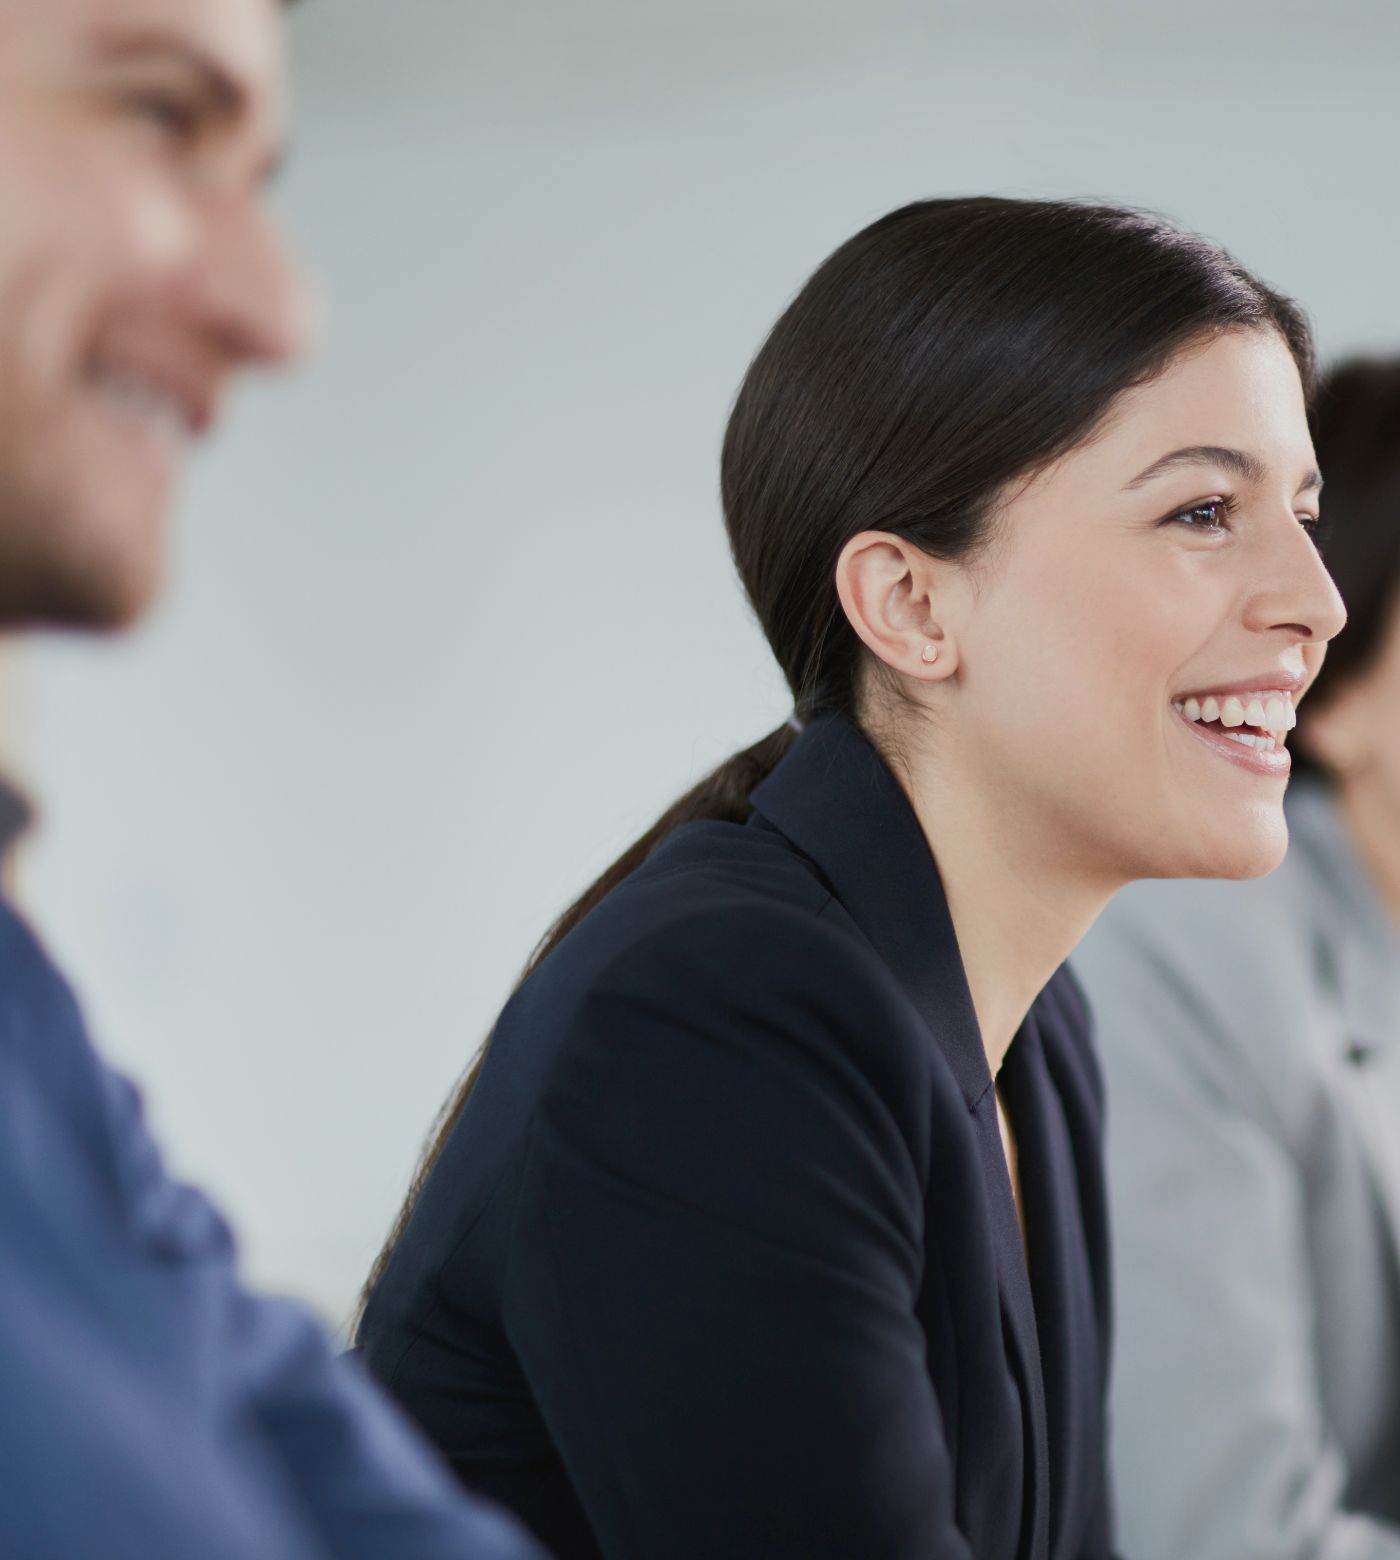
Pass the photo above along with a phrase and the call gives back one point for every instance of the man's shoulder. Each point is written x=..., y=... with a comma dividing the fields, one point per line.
x=55, y=1097
x=41, y=1029
x=43, y=1041
x=20, y=947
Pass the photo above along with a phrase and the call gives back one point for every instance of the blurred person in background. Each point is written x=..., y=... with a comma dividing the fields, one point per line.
x=149, y=1406
x=1250, y=1035
x=771, y=1226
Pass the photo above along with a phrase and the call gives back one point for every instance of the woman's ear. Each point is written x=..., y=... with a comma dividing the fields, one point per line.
x=903, y=603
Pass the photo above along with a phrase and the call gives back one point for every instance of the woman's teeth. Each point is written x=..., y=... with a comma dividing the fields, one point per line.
x=1271, y=714
x=1250, y=739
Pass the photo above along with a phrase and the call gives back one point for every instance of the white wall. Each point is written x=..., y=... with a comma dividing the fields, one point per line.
x=452, y=615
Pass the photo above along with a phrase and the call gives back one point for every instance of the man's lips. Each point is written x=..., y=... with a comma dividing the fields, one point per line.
x=185, y=397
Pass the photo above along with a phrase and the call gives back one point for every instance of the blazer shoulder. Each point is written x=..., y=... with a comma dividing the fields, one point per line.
x=737, y=949
x=731, y=1046
x=1237, y=956
x=726, y=966
x=730, y=903
x=1211, y=988
x=729, y=941
x=713, y=854
x=1203, y=923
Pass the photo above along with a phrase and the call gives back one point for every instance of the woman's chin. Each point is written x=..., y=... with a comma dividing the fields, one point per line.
x=1249, y=852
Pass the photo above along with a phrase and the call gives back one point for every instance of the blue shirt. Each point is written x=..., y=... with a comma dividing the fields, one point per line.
x=150, y=1407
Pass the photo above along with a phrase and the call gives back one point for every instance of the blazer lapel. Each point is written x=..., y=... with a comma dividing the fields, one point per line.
x=1060, y=1282
x=1019, y=1323
x=835, y=798
x=1368, y=1071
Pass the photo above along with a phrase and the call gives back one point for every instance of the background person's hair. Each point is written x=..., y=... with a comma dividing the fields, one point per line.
x=946, y=350
x=1356, y=432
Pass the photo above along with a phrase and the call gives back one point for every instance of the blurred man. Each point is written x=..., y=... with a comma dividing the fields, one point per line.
x=148, y=1406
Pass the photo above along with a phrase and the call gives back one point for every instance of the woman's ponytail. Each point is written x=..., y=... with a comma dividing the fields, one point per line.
x=723, y=793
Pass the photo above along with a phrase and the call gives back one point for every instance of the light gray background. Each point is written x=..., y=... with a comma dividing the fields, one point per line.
x=452, y=615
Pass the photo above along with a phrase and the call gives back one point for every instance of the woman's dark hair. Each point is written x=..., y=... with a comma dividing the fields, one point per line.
x=1356, y=432
x=944, y=351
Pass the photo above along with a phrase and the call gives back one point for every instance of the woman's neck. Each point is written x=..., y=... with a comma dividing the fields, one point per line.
x=1018, y=906
x=1371, y=817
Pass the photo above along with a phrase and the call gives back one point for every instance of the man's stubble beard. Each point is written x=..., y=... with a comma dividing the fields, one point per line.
x=61, y=567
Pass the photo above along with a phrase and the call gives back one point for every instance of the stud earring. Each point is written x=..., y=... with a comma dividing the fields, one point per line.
x=930, y=654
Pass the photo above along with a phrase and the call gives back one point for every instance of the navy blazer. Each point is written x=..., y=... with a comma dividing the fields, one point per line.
x=722, y=1260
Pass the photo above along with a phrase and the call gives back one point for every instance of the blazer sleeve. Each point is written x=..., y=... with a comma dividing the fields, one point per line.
x=1220, y=1444
x=718, y=1246
x=153, y=1406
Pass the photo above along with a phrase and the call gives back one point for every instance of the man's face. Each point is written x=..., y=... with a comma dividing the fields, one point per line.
x=138, y=271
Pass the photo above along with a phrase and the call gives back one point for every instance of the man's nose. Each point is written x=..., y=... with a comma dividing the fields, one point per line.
x=249, y=291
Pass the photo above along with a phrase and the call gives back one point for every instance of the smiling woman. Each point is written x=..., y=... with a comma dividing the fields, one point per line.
x=772, y=1224
x=1248, y=1032
x=1188, y=522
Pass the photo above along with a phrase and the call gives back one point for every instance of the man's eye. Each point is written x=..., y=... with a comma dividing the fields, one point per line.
x=173, y=116
x=1209, y=516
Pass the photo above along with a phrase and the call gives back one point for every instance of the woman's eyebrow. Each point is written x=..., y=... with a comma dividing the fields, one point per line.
x=1244, y=465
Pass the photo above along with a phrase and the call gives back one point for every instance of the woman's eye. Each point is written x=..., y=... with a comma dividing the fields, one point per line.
x=1317, y=526
x=1209, y=516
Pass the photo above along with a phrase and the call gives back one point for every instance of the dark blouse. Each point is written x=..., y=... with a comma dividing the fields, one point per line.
x=721, y=1261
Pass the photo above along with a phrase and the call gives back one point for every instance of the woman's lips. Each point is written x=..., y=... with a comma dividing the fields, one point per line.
x=1275, y=764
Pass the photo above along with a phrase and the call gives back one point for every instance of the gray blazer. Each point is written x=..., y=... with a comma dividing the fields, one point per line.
x=1250, y=1037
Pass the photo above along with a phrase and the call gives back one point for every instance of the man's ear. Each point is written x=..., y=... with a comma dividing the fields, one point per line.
x=904, y=604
